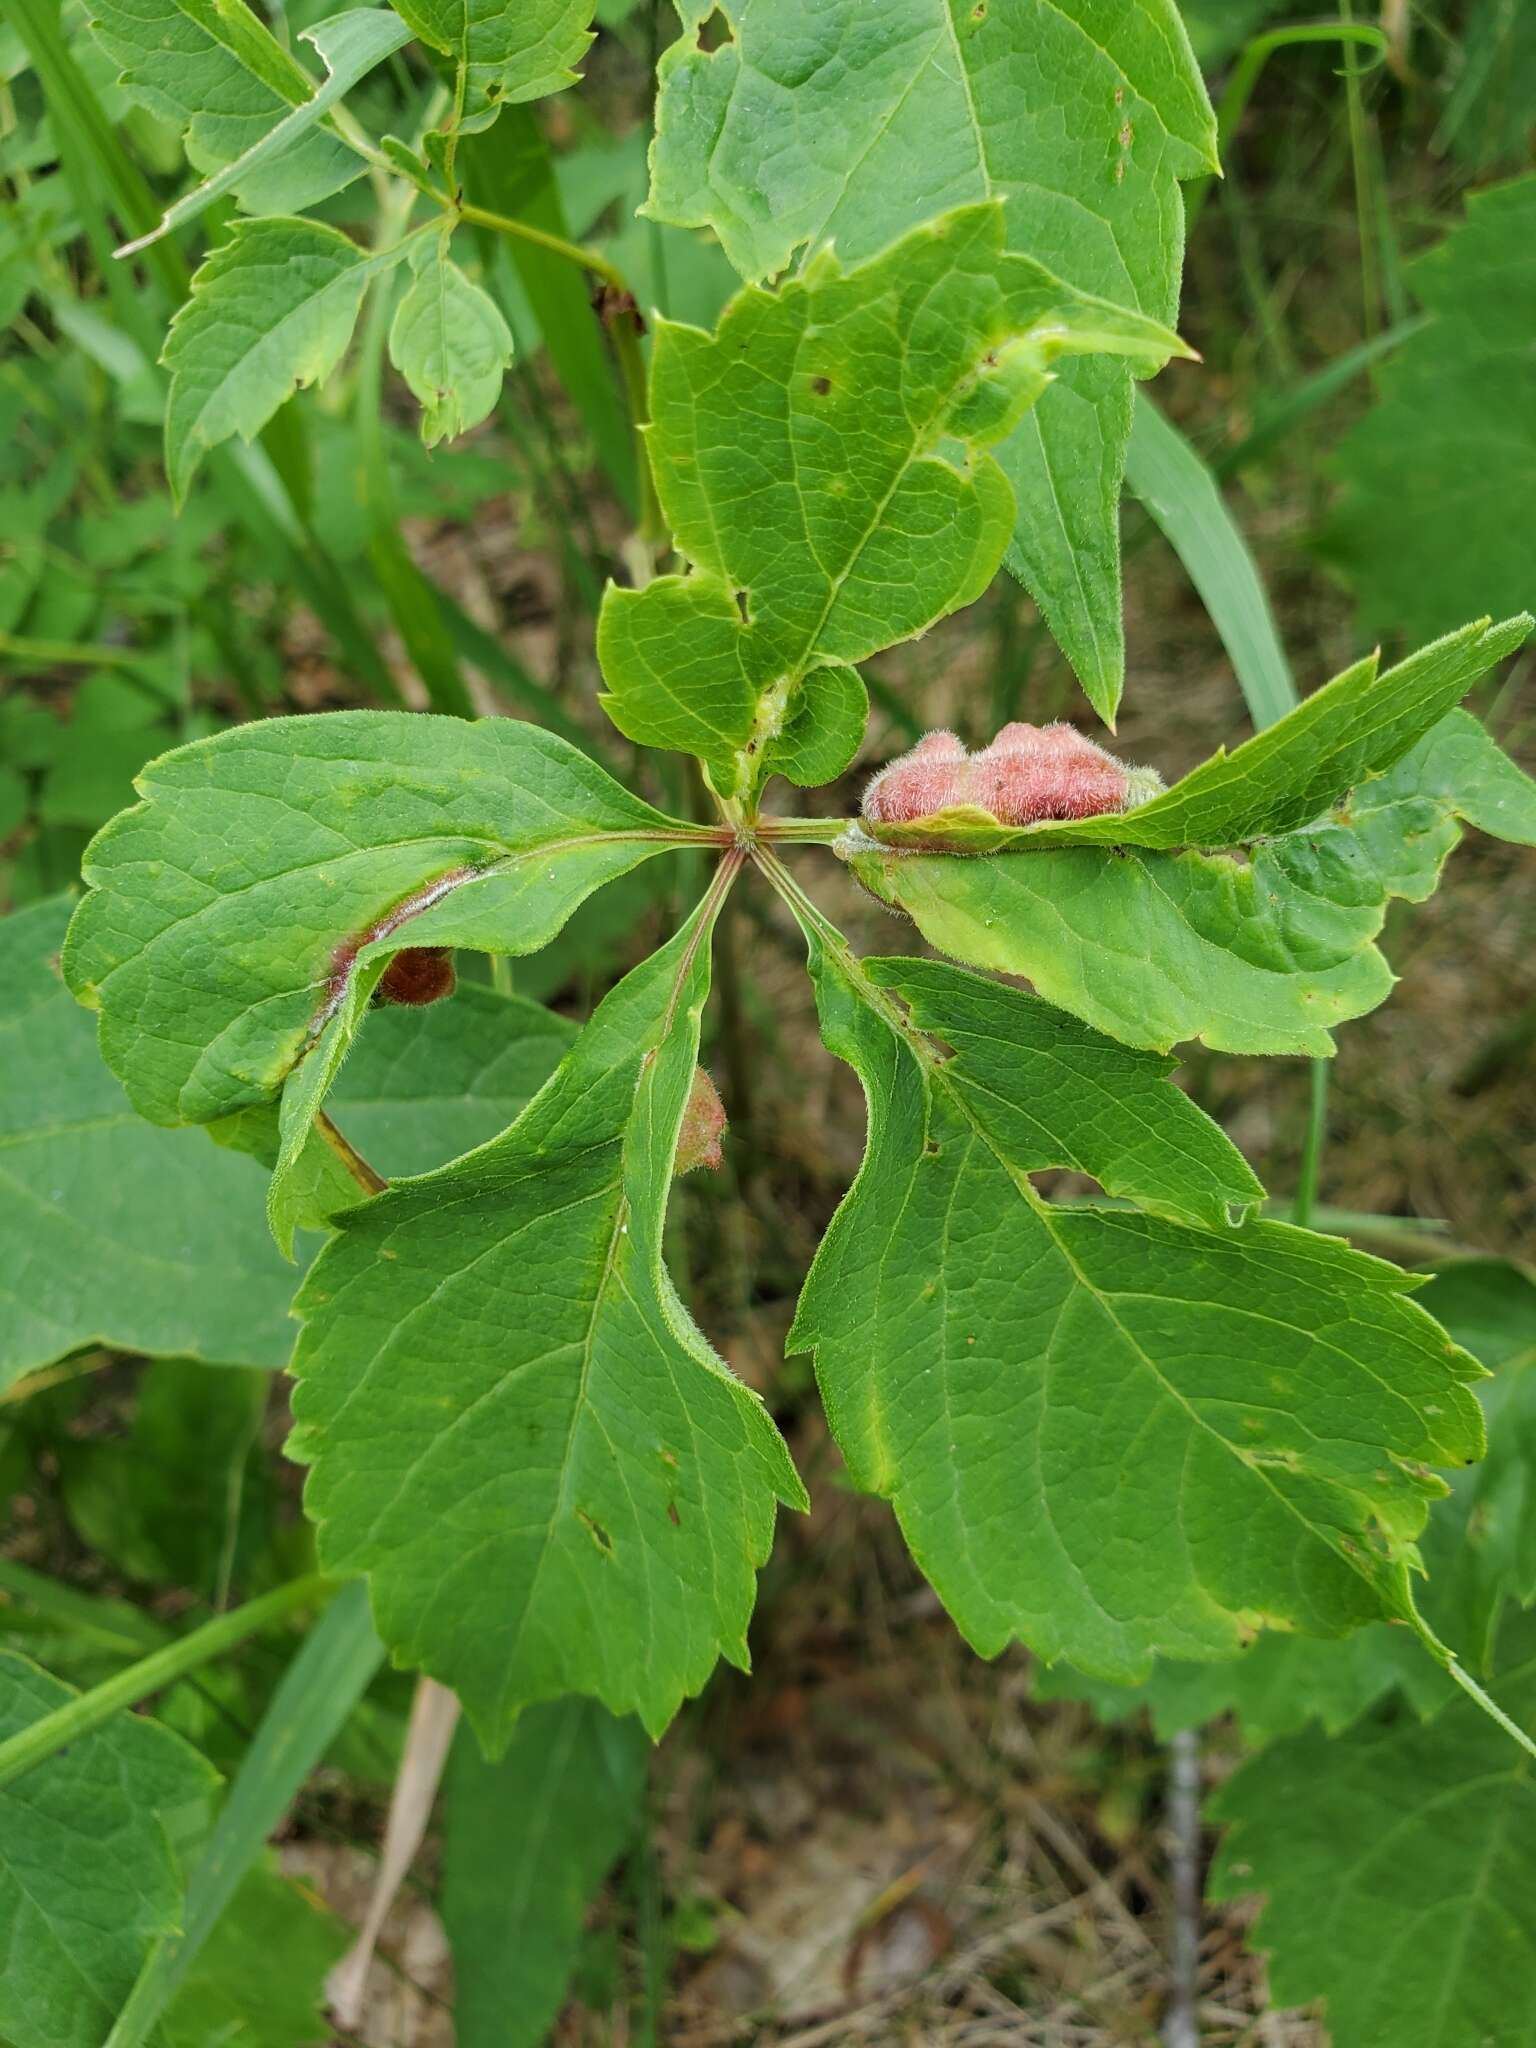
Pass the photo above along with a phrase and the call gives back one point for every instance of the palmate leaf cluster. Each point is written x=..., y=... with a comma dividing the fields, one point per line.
x=1152, y=1433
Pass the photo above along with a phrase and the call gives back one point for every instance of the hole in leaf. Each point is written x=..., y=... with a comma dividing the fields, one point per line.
x=821, y=386
x=596, y=1531
x=715, y=31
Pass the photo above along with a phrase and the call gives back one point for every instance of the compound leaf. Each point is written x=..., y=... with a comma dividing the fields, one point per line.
x=805, y=458
x=271, y=309
x=450, y=344
x=824, y=120
x=512, y=1419
x=504, y=55
x=1262, y=954
x=88, y=1873
x=110, y=1232
x=1106, y=1434
x=260, y=889
x=1399, y=1864
x=1425, y=547
x=224, y=82
x=526, y=1842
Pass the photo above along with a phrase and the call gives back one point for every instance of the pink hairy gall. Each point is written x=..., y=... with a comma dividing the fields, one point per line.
x=703, y=1125
x=1028, y=775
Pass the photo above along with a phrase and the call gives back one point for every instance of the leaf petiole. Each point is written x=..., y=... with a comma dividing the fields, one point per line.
x=34, y=1745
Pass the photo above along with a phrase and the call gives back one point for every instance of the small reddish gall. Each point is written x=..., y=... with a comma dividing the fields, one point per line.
x=419, y=975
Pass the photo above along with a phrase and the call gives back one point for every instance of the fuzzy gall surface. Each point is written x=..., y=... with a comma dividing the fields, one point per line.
x=1028, y=775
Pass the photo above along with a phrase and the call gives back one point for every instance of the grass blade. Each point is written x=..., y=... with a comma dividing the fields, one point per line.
x=1179, y=491
x=316, y=1694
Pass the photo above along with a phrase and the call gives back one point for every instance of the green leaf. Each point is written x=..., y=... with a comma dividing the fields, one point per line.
x=1105, y=1434
x=449, y=343
x=88, y=1871
x=422, y=1087
x=273, y=870
x=110, y=1232
x=1255, y=955
x=1399, y=1864
x=271, y=309
x=526, y=1843
x=1047, y=1091
x=805, y=460
x=223, y=81
x=511, y=1418
x=1480, y=1548
x=822, y=121
x=504, y=55
x=235, y=1994
x=425, y=1086
x=1428, y=541
x=350, y=45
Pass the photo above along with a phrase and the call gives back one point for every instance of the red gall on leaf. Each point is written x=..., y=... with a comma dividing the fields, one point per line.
x=1029, y=775
x=419, y=975
x=703, y=1125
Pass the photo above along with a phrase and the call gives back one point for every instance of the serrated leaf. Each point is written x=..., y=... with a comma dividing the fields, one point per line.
x=805, y=460
x=1479, y=1548
x=1262, y=954
x=450, y=344
x=512, y=1419
x=835, y=123
x=234, y=1994
x=1399, y=1868
x=271, y=309
x=272, y=871
x=349, y=45
x=88, y=1874
x=1050, y=1092
x=220, y=78
x=1105, y=1434
x=526, y=1843
x=504, y=55
x=1447, y=535
x=111, y=1232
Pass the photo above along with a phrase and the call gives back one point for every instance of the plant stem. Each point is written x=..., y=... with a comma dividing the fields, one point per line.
x=33, y=1746
x=801, y=831
x=623, y=327
x=1312, y=1147
x=370, y=1182
x=525, y=231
